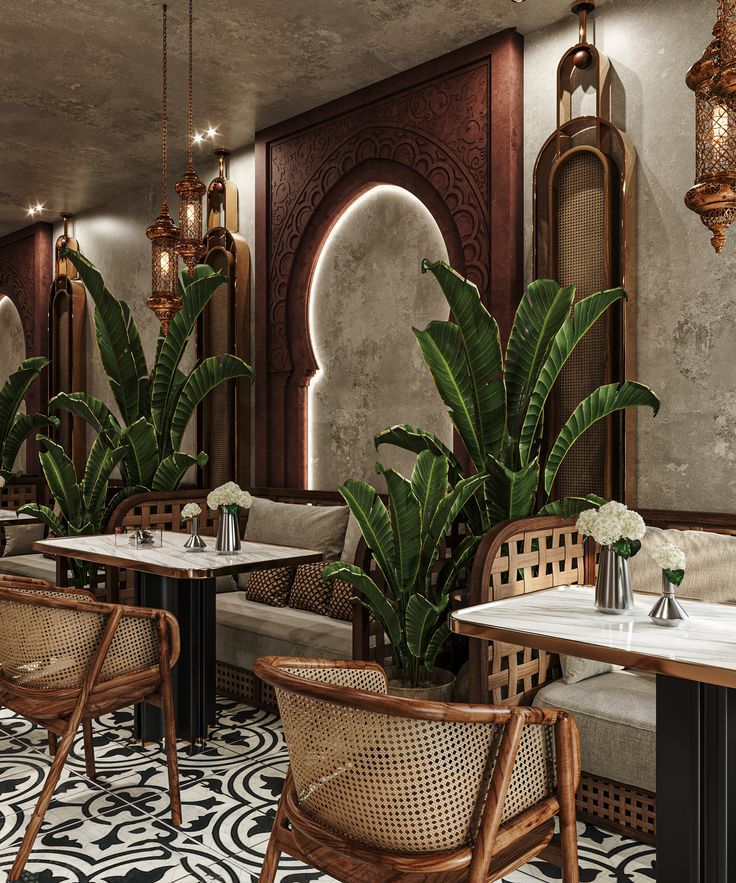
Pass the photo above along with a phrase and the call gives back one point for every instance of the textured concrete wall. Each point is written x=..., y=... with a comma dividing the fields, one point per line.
x=366, y=295
x=12, y=353
x=113, y=237
x=687, y=320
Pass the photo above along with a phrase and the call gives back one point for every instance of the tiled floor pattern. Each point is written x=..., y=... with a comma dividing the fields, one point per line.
x=116, y=829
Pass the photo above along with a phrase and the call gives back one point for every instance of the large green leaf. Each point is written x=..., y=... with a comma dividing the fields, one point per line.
x=421, y=622
x=571, y=506
x=23, y=425
x=61, y=478
x=46, y=515
x=172, y=469
x=171, y=350
x=435, y=644
x=118, y=341
x=443, y=352
x=511, y=492
x=599, y=404
x=101, y=461
x=541, y=313
x=117, y=499
x=405, y=521
x=209, y=374
x=461, y=556
x=91, y=410
x=417, y=440
x=14, y=391
x=374, y=522
x=373, y=599
x=429, y=484
x=482, y=345
x=141, y=458
x=585, y=314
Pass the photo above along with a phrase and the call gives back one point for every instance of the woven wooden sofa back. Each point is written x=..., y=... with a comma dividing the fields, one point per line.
x=530, y=555
x=162, y=510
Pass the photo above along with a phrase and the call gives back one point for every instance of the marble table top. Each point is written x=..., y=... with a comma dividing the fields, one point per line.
x=172, y=560
x=10, y=516
x=564, y=620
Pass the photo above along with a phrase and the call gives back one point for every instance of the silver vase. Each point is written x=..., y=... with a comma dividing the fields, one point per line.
x=195, y=543
x=228, y=533
x=613, y=587
x=668, y=611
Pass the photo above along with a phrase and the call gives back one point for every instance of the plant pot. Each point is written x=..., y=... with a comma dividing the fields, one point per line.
x=439, y=686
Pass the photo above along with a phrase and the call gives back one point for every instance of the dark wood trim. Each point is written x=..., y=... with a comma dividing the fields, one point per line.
x=466, y=167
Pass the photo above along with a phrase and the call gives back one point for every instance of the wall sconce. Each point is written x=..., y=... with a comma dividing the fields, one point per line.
x=714, y=195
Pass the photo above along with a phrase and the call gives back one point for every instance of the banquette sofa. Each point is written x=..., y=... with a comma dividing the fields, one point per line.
x=614, y=707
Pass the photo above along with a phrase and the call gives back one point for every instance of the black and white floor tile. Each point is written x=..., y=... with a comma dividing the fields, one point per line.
x=116, y=829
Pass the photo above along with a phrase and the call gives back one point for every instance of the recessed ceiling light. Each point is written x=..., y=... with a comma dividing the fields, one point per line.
x=517, y=1
x=212, y=133
x=39, y=207
x=197, y=138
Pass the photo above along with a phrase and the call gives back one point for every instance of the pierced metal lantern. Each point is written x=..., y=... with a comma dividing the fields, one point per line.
x=191, y=190
x=164, y=300
x=714, y=195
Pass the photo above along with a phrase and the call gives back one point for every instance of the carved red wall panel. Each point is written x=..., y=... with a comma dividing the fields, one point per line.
x=25, y=277
x=449, y=131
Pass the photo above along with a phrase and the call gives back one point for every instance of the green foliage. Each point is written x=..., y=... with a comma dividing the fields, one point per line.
x=82, y=504
x=155, y=407
x=406, y=539
x=496, y=403
x=15, y=427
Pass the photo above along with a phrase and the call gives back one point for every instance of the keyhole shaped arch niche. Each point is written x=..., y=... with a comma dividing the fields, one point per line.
x=365, y=295
x=449, y=132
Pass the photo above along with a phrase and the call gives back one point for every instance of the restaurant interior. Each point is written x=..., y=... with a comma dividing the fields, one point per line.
x=367, y=441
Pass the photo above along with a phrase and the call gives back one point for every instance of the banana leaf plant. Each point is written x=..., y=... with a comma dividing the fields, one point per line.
x=15, y=427
x=406, y=539
x=497, y=401
x=81, y=504
x=155, y=406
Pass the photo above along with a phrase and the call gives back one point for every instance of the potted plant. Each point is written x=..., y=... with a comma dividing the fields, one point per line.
x=406, y=538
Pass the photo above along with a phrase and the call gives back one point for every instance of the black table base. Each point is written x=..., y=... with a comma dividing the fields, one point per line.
x=193, y=604
x=696, y=782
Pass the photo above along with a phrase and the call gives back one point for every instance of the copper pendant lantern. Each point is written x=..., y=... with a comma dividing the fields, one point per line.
x=164, y=299
x=714, y=195
x=191, y=190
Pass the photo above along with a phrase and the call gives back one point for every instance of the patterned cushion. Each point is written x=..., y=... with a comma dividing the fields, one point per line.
x=270, y=586
x=310, y=591
x=340, y=606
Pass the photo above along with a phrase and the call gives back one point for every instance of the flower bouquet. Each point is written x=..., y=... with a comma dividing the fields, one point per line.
x=191, y=512
x=229, y=498
x=668, y=611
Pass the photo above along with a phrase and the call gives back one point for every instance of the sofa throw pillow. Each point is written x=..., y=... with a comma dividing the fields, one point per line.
x=270, y=586
x=575, y=669
x=19, y=539
x=340, y=606
x=295, y=524
x=310, y=591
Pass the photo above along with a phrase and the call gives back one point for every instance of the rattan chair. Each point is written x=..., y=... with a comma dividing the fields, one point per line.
x=384, y=789
x=66, y=659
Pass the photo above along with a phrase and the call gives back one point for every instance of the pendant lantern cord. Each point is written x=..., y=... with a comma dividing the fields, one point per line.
x=190, y=87
x=164, y=127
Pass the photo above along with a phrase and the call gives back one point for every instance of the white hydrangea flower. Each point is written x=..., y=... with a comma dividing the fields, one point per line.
x=191, y=510
x=669, y=557
x=2, y=482
x=229, y=494
x=585, y=522
x=612, y=522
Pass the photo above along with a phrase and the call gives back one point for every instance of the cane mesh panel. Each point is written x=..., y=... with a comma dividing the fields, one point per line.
x=582, y=230
x=369, y=679
x=397, y=783
x=51, y=648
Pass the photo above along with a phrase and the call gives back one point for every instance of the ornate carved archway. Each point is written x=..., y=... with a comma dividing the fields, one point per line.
x=25, y=277
x=449, y=132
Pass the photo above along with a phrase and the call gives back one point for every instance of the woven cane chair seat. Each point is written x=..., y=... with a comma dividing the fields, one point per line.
x=398, y=783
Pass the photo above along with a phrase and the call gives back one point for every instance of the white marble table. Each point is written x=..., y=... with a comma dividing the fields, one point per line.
x=696, y=707
x=170, y=578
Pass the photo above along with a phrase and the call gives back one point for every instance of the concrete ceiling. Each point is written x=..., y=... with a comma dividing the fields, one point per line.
x=80, y=100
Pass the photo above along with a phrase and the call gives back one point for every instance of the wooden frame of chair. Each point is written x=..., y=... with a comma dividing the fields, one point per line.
x=498, y=847
x=61, y=711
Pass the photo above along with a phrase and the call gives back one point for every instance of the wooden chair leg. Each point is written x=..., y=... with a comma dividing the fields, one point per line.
x=167, y=704
x=34, y=825
x=52, y=742
x=273, y=853
x=89, y=750
x=565, y=745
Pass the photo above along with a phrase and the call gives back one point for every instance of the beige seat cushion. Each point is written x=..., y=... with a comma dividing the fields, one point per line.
x=33, y=565
x=710, y=570
x=247, y=630
x=19, y=538
x=616, y=715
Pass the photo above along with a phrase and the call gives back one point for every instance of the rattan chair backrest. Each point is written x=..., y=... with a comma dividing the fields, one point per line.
x=51, y=647
x=400, y=783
